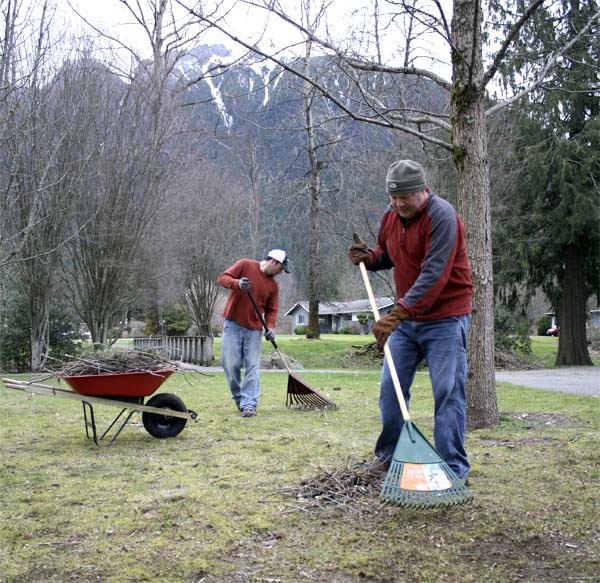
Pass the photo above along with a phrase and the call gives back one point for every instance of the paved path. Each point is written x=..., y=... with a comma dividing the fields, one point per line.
x=579, y=380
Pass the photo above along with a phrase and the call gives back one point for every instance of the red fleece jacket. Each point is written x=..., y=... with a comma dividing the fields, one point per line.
x=429, y=257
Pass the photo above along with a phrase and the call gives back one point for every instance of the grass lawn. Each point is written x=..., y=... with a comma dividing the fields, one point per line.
x=222, y=501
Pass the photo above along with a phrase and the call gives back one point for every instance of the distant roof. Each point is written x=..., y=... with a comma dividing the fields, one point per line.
x=353, y=307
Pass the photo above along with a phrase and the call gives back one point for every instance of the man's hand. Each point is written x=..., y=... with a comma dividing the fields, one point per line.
x=386, y=325
x=358, y=251
x=244, y=284
x=270, y=335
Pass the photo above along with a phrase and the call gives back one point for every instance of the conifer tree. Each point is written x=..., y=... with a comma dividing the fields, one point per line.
x=550, y=217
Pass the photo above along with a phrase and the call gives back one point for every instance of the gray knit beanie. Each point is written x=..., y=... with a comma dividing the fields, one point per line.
x=405, y=176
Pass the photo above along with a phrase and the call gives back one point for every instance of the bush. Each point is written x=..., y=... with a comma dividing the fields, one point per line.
x=15, y=350
x=300, y=330
x=350, y=329
x=511, y=330
x=543, y=324
x=593, y=337
x=364, y=320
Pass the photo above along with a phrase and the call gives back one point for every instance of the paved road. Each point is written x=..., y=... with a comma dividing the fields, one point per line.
x=579, y=380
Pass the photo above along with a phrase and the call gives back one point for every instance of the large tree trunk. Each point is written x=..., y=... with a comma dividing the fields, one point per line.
x=572, y=343
x=470, y=156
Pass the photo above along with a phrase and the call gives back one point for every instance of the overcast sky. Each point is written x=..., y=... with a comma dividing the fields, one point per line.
x=112, y=17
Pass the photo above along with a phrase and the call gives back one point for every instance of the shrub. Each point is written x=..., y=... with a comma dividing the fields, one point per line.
x=300, y=330
x=543, y=324
x=350, y=329
x=364, y=320
x=593, y=337
x=511, y=330
x=15, y=349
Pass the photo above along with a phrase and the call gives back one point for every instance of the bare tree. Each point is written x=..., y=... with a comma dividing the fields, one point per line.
x=36, y=199
x=202, y=234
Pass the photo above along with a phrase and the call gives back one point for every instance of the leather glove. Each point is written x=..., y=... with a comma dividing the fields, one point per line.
x=270, y=335
x=386, y=325
x=244, y=284
x=358, y=252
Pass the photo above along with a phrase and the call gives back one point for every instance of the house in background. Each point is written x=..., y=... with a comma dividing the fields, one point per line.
x=335, y=316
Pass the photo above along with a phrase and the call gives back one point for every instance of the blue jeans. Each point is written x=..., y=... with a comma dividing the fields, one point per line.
x=443, y=345
x=241, y=348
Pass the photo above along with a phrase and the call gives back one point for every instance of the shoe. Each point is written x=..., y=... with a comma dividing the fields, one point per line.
x=248, y=412
x=237, y=404
x=464, y=480
x=377, y=467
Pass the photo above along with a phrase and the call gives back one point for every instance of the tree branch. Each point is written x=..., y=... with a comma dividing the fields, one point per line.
x=548, y=66
x=513, y=33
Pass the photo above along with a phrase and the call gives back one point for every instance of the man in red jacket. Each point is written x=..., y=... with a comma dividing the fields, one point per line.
x=423, y=239
x=241, y=346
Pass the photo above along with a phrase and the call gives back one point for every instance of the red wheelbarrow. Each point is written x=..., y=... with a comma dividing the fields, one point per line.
x=164, y=415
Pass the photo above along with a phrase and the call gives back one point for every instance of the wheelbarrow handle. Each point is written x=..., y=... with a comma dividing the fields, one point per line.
x=262, y=320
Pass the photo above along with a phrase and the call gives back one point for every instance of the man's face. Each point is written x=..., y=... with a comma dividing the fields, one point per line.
x=273, y=267
x=408, y=203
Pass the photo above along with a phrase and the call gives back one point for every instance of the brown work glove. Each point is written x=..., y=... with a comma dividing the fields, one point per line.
x=386, y=325
x=358, y=251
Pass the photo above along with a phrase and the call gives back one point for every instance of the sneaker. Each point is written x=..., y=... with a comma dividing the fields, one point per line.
x=464, y=480
x=248, y=412
x=237, y=404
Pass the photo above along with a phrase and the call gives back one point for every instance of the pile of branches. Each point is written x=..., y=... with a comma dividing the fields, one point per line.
x=368, y=354
x=115, y=362
x=351, y=487
x=505, y=360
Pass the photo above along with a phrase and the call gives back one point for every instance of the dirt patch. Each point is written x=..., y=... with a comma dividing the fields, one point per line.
x=543, y=420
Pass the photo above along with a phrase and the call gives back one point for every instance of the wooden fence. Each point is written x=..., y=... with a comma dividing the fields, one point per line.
x=193, y=349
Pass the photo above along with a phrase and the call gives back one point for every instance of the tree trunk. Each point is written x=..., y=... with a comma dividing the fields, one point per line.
x=39, y=306
x=470, y=156
x=314, y=190
x=572, y=341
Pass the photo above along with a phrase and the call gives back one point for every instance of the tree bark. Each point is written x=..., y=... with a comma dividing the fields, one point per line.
x=572, y=344
x=469, y=142
x=314, y=190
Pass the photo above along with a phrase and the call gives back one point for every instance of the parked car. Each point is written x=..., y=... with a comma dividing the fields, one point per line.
x=553, y=331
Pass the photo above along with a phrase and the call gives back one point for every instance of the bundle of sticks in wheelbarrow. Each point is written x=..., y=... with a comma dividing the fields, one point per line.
x=124, y=381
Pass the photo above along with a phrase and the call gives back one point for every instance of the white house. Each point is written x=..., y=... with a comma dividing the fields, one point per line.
x=333, y=316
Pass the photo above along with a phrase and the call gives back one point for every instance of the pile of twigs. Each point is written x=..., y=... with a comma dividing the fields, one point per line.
x=115, y=362
x=348, y=487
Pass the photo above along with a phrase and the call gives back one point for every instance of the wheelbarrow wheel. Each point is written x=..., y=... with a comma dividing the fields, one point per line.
x=163, y=426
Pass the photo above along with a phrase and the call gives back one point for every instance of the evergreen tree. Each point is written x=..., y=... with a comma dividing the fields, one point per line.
x=550, y=219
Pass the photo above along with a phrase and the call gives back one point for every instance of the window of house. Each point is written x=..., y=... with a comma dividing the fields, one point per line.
x=300, y=318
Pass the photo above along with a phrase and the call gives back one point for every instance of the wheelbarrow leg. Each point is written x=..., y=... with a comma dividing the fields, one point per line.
x=91, y=431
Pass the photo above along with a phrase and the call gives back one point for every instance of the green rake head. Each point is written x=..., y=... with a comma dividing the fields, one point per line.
x=419, y=478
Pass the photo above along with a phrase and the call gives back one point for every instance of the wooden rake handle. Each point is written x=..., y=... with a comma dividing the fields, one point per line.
x=386, y=348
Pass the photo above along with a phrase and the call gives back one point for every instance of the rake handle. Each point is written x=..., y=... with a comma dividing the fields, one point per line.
x=262, y=321
x=386, y=348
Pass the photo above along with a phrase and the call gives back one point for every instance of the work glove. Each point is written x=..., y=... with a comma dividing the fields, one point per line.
x=386, y=325
x=244, y=284
x=269, y=335
x=358, y=252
